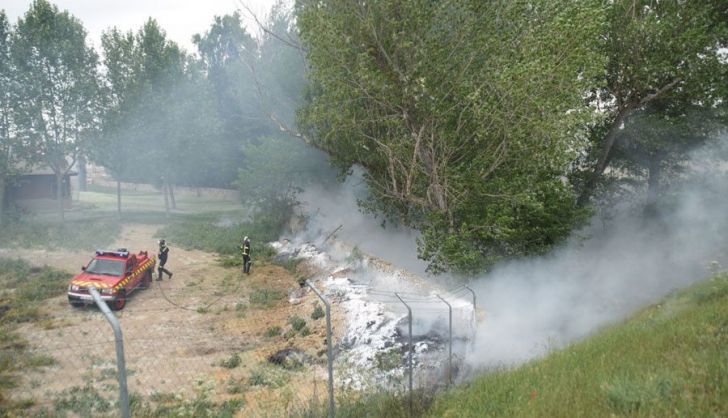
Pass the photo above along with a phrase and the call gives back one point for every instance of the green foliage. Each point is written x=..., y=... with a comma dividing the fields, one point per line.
x=12, y=148
x=169, y=405
x=290, y=264
x=270, y=179
x=373, y=404
x=656, y=108
x=465, y=129
x=208, y=232
x=273, y=331
x=30, y=288
x=268, y=376
x=26, y=291
x=58, y=105
x=83, y=401
x=318, y=312
x=289, y=334
x=232, y=362
x=88, y=234
x=265, y=298
x=389, y=359
x=668, y=360
x=160, y=107
x=297, y=323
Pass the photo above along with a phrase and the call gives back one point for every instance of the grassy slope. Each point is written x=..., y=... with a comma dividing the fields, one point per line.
x=23, y=291
x=670, y=359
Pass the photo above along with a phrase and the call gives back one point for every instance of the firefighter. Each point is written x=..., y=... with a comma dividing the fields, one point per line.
x=245, y=249
x=162, y=256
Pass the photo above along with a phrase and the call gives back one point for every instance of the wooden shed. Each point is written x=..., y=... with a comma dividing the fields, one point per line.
x=37, y=189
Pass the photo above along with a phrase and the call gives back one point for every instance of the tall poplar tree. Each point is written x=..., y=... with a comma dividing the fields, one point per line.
x=663, y=60
x=10, y=147
x=58, y=101
x=465, y=114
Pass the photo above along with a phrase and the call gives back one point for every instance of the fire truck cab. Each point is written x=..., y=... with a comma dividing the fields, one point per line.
x=115, y=274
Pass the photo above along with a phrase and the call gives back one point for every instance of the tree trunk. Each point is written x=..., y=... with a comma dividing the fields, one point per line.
x=171, y=195
x=59, y=196
x=2, y=198
x=82, y=173
x=605, y=154
x=653, y=186
x=166, y=197
x=118, y=197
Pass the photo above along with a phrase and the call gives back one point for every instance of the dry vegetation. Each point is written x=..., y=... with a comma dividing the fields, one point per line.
x=210, y=341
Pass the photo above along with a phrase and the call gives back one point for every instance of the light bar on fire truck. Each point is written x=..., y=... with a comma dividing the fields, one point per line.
x=120, y=253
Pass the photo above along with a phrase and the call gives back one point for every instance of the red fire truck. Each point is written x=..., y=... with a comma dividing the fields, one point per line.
x=115, y=274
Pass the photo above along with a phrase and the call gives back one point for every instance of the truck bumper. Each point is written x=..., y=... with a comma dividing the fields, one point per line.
x=84, y=298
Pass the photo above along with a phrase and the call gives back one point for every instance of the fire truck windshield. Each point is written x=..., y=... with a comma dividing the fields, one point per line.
x=105, y=267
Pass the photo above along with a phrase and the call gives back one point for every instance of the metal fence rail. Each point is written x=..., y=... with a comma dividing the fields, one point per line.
x=183, y=355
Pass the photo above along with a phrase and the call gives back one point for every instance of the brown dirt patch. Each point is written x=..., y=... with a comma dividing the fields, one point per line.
x=180, y=334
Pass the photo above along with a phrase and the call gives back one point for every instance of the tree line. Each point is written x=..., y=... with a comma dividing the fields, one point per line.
x=493, y=127
x=144, y=108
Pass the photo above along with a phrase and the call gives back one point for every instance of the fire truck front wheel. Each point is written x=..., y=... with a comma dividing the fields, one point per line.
x=120, y=301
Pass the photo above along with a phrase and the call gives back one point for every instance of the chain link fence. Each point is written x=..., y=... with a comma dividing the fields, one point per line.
x=192, y=350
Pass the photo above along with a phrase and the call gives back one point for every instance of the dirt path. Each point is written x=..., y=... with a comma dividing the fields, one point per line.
x=182, y=336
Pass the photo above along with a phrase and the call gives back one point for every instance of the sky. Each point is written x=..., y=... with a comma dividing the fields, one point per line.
x=180, y=18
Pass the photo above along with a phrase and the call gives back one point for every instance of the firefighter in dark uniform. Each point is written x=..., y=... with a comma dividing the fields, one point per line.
x=245, y=249
x=162, y=256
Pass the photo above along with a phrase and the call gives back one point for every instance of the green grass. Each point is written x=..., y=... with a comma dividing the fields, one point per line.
x=297, y=323
x=50, y=234
x=231, y=362
x=318, y=312
x=273, y=331
x=267, y=375
x=103, y=199
x=23, y=292
x=668, y=360
x=265, y=298
x=221, y=234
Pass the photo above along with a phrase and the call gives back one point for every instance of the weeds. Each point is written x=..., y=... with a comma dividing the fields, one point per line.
x=83, y=401
x=268, y=376
x=25, y=290
x=318, y=312
x=207, y=232
x=232, y=362
x=265, y=297
x=273, y=332
x=297, y=323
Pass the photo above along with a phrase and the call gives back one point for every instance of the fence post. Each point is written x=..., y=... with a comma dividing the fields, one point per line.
x=449, y=349
x=330, y=350
x=472, y=317
x=411, y=348
x=120, y=363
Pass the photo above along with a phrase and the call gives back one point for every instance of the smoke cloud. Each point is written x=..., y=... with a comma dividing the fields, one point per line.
x=544, y=303
x=603, y=273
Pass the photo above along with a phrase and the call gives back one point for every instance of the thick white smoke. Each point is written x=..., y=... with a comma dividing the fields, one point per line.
x=600, y=276
x=543, y=303
x=330, y=209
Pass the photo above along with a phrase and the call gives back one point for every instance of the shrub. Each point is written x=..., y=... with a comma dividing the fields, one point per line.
x=265, y=297
x=289, y=334
x=318, y=312
x=232, y=362
x=297, y=323
x=273, y=332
